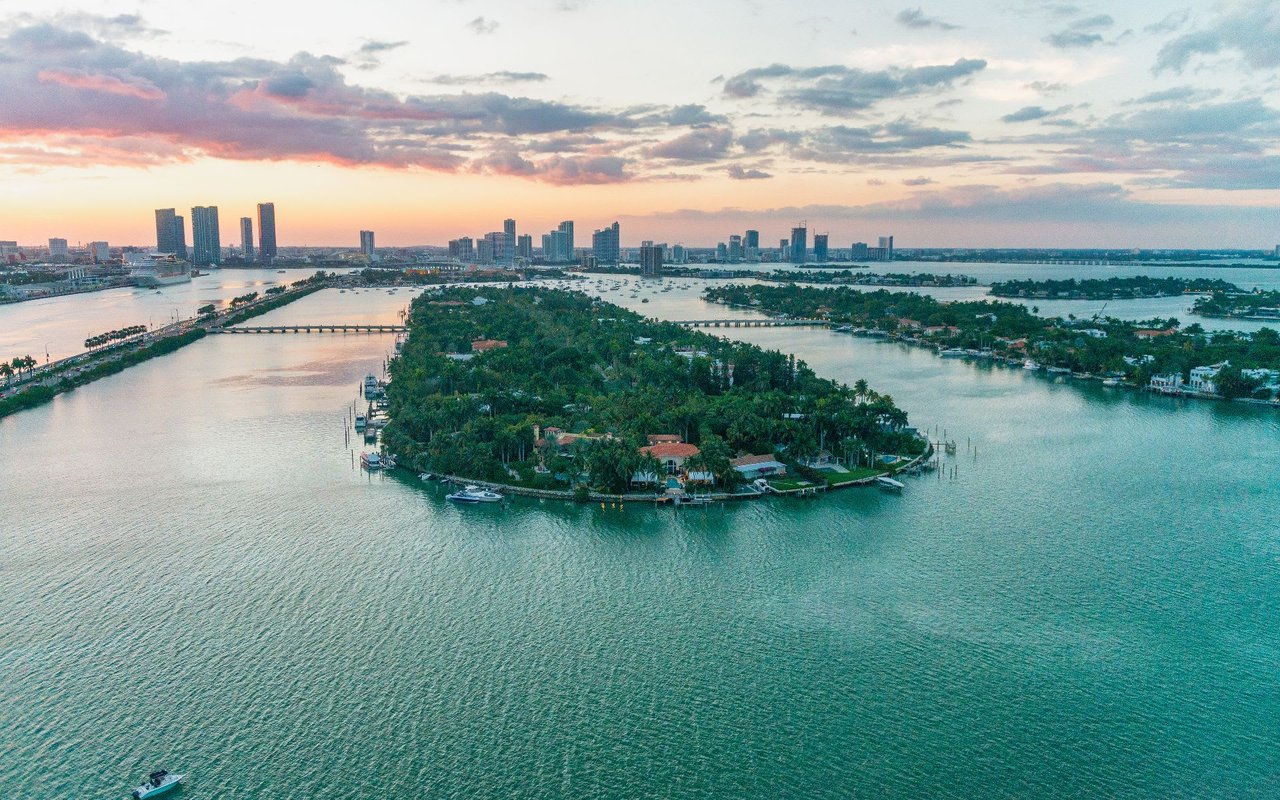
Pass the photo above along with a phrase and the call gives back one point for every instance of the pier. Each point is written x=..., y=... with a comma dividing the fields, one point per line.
x=752, y=323
x=315, y=328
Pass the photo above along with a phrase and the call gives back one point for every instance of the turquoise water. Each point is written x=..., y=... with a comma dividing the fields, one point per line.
x=194, y=574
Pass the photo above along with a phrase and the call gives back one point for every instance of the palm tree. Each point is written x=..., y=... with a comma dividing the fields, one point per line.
x=7, y=372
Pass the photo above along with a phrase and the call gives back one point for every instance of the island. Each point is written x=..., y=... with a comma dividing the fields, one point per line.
x=1257, y=305
x=1156, y=354
x=1126, y=288
x=548, y=390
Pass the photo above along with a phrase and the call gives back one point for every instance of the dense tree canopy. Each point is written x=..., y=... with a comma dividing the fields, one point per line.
x=586, y=366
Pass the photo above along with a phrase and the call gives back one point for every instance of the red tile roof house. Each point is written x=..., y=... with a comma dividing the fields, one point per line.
x=481, y=345
x=1151, y=333
x=672, y=455
x=664, y=438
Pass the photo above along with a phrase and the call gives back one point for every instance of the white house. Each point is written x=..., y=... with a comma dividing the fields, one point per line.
x=1202, y=378
x=1167, y=384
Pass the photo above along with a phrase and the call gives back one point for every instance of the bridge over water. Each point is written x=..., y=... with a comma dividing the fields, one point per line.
x=313, y=328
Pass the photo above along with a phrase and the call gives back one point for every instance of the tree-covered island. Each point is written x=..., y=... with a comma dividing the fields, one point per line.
x=1254, y=305
x=552, y=389
x=1158, y=354
x=1120, y=288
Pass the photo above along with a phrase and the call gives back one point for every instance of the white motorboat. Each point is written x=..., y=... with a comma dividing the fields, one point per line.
x=953, y=352
x=474, y=494
x=1031, y=365
x=371, y=461
x=158, y=783
x=889, y=484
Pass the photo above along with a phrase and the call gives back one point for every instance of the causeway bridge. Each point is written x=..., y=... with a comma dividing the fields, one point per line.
x=313, y=328
x=753, y=323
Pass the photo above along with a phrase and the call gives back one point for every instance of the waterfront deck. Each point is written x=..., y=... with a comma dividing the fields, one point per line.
x=752, y=323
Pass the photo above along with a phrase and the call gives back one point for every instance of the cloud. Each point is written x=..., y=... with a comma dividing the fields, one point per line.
x=502, y=76
x=1081, y=33
x=739, y=174
x=837, y=89
x=706, y=144
x=1177, y=94
x=1031, y=113
x=916, y=18
x=921, y=181
x=63, y=89
x=482, y=25
x=1170, y=23
x=371, y=47
x=1250, y=28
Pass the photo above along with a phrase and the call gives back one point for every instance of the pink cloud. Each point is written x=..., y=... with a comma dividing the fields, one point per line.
x=143, y=90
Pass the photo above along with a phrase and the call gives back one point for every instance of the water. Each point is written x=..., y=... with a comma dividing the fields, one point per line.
x=194, y=575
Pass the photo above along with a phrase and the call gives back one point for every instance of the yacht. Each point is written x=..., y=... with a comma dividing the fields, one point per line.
x=158, y=783
x=1059, y=370
x=889, y=484
x=360, y=422
x=952, y=352
x=474, y=494
x=371, y=461
x=1110, y=381
x=1029, y=364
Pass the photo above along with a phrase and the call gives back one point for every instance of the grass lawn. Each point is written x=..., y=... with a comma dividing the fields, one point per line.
x=787, y=484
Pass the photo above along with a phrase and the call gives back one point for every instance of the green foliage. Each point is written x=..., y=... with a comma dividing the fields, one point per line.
x=572, y=362
x=1109, y=288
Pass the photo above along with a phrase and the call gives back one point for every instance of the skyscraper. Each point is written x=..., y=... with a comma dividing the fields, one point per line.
x=858, y=251
x=58, y=251
x=651, y=259
x=206, y=246
x=820, y=248
x=524, y=246
x=167, y=231
x=886, y=244
x=508, y=241
x=180, y=235
x=566, y=242
x=799, y=244
x=366, y=244
x=100, y=251
x=246, y=238
x=735, y=248
x=605, y=244
x=462, y=249
x=752, y=239
x=494, y=248
x=267, y=232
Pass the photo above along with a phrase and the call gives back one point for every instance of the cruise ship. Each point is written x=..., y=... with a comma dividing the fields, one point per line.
x=160, y=269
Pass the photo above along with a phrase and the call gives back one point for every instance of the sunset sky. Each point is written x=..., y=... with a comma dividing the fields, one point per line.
x=959, y=123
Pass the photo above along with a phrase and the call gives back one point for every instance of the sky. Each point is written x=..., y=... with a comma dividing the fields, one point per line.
x=1000, y=123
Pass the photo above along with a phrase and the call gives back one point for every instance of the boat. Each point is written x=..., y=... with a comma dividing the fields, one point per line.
x=158, y=783
x=370, y=384
x=474, y=494
x=425, y=476
x=1110, y=381
x=360, y=422
x=159, y=269
x=952, y=352
x=1059, y=370
x=889, y=484
x=1029, y=364
x=370, y=461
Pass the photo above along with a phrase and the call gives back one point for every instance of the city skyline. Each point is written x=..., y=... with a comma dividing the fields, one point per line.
x=968, y=124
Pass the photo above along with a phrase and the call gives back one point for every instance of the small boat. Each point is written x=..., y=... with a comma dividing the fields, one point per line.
x=159, y=782
x=360, y=422
x=1059, y=370
x=952, y=352
x=889, y=484
x=474, y=494
x=425, y=476
x=1029, y=364
x=371, y=461
x=1110, y=381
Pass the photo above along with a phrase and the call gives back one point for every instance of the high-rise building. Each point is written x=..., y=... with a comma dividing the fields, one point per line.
x=484, y=250
x=169, y=234
x=678, y=254
x=366, y=244
x=267, y=232
x=784, y=248
x=206, y=246
x=100, y=252
x=524, y=246
x=722, y=252
x=605, y=245
x=462, y=248
x=508, y=241
x=566, y=242
x=799, y=244
x=58, y=250
x=752, y=239
x=494, y=248
x=180, y=234
x=651, y=259
x=735, y=248
x=246, y=239
x=858, y=251
x=886, y=244
x=820, y=248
